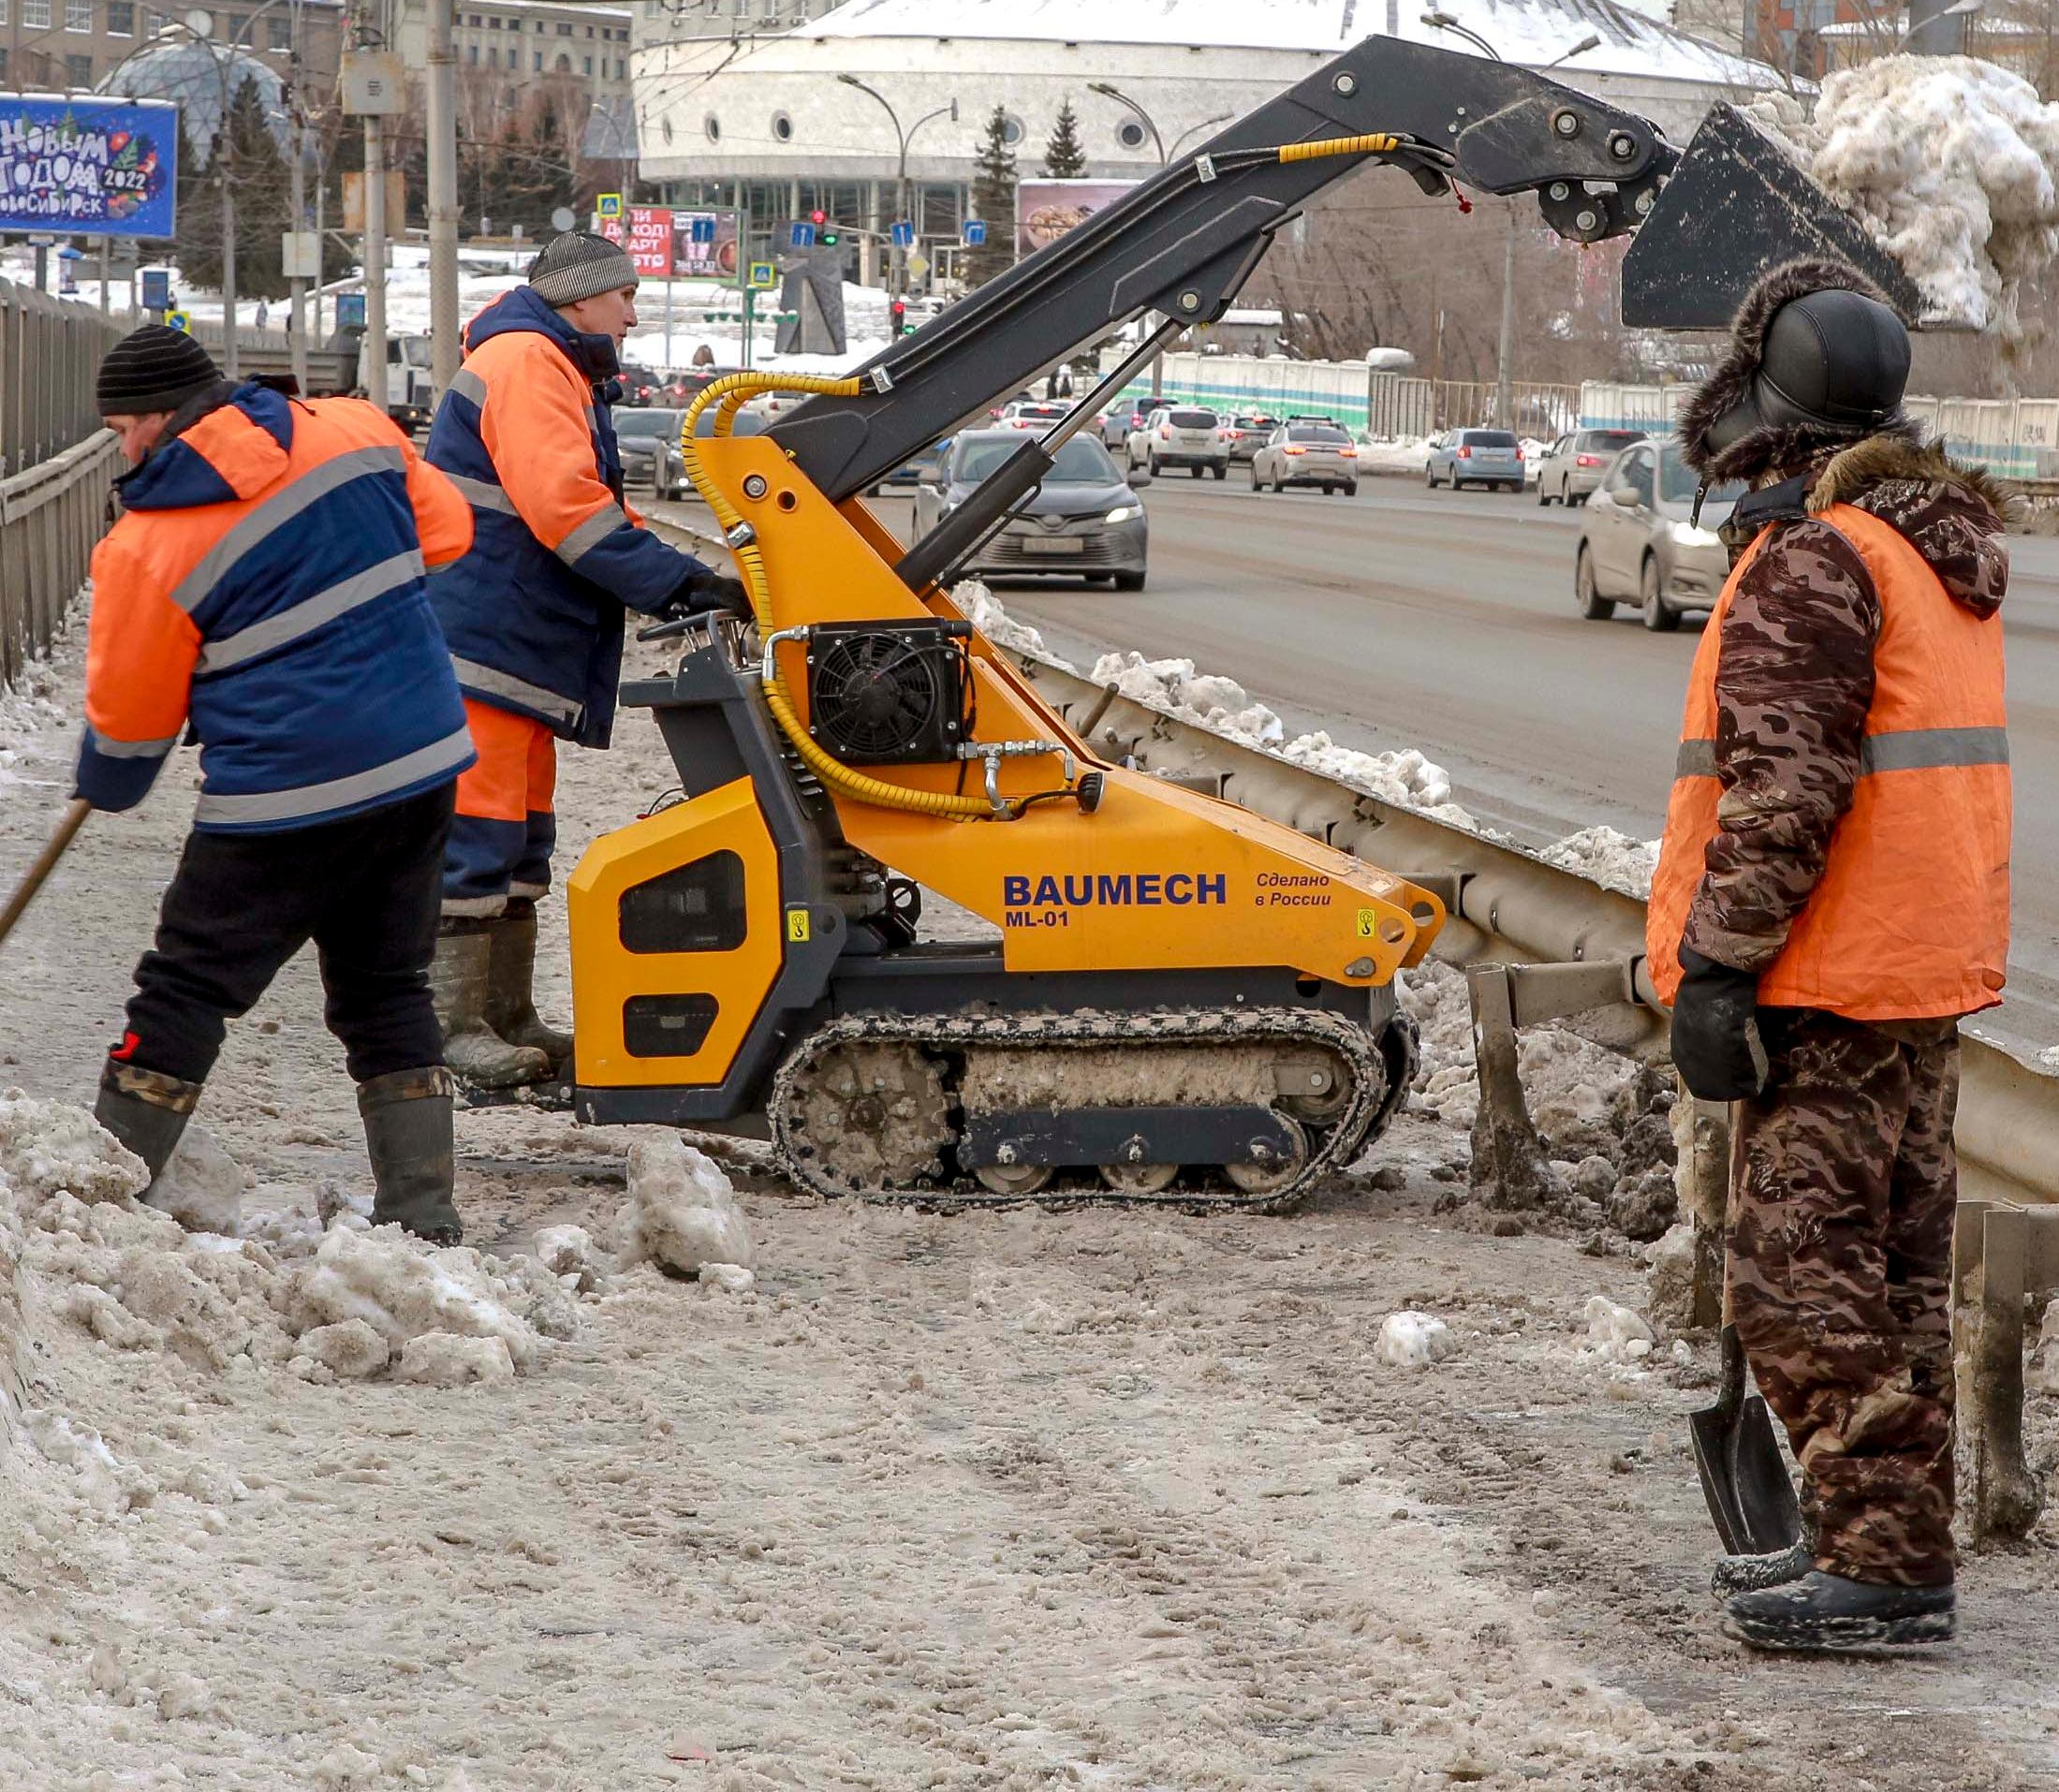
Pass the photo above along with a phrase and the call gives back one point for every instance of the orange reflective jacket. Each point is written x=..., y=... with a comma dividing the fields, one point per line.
x=1911, y=918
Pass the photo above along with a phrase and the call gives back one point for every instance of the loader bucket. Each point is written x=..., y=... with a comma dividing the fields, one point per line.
x=1736, y=205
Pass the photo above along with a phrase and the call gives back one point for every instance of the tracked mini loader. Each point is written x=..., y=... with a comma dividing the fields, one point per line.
x=1185, y=1003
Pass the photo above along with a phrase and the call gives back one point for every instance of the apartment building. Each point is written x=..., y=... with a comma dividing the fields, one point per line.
x=64, y=45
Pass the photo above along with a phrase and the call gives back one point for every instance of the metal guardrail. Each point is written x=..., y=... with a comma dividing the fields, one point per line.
x=1508, y=905
x=50, y=516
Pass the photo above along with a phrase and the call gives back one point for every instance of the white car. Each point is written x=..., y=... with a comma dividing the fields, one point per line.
x=1181, y=435
x=1032, y=416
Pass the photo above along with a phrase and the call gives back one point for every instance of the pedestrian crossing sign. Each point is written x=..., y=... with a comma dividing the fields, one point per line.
x=762, y=274
x=608, y=205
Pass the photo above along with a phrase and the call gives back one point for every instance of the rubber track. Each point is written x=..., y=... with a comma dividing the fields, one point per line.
x=1162, y=1030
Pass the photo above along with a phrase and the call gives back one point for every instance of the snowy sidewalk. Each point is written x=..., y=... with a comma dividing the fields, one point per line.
x=1021, y=1500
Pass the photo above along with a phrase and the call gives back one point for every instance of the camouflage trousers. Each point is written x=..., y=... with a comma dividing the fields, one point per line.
x=1843, y=1189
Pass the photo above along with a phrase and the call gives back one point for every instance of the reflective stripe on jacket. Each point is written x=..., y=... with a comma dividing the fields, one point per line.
x=266, y=584
x=1910, y=917
x=534, y=613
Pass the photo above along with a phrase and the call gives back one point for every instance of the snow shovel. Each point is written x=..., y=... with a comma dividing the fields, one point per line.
x=74, y=817
x=1742, y=1476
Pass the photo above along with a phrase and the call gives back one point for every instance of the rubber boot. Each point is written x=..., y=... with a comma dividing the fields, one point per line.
x=510, y=977
x=1825, y=1613
x=475, y=1054
x=1737, y=1574
x=407, y=1135
x=146, y=1111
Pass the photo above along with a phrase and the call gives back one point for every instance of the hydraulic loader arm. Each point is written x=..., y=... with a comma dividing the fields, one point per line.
x=1183, y=243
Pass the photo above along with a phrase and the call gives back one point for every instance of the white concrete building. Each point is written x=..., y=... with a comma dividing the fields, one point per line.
x=760, y=119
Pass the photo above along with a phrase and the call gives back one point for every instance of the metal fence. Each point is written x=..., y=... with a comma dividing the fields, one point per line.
x=50, y=351
x=1403, y=409
x=50, y=516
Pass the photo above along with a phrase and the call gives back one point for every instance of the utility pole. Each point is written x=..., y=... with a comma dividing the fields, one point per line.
x=297, y=288
x=443, y=197
x=229, y=260
x=374, y=261
x=1505, y=354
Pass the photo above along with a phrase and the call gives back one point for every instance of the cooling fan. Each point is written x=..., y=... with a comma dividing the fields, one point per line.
x=888, y=692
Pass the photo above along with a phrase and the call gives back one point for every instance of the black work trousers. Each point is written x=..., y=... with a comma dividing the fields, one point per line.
x=366, y=889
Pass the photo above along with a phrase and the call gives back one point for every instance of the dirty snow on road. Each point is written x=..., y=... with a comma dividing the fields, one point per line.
x=1008, y=1499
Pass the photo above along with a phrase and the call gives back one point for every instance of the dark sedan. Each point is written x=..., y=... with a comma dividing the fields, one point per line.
x=649, y=442
x=1084, y=522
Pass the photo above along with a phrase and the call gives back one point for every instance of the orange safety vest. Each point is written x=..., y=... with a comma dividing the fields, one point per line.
x=1911, y=918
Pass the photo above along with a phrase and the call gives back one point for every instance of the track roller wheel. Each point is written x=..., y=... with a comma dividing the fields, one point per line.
x=1012, y=1178
x=1262, y=1179
x=1138, y=1179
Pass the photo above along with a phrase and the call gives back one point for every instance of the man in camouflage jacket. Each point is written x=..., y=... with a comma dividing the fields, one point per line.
x=1844, y=1181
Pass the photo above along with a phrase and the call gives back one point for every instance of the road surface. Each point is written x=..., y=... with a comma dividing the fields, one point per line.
x=1444, y=621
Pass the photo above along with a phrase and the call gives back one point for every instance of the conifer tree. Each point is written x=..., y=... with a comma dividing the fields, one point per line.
x=993, y=201
x=1064, y=158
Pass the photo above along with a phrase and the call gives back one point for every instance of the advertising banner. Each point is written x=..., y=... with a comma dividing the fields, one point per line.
x=1046, y=209
x=704, y=244
x=86, y=167
x=647, y=229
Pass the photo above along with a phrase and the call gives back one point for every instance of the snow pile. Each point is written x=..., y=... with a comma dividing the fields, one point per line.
x=681, y=1214
x=1614, y=1333
x=1670, y=1281
x=203, y=1186
x=2043, y=1372
x=51, y=1147
x=1406, y=778
x=1611, y=860
x=1410, y=1340
x=982, y=609
x=1950, y=161
x=1173, y=687
x=403, y=1291
x=1410, y=454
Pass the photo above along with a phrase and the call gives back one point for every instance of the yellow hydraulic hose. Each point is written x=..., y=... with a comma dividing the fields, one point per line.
x=731, y=391
x=1379, y=144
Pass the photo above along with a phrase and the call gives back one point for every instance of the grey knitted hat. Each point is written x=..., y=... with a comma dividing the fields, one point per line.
x=578, y=264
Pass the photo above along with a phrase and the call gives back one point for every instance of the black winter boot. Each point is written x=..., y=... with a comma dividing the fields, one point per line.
x=476, y=1054
x=407, y=1135
x=510, y=978
x=1824, y=1613
x=146, y=1111
x=1736, y=1574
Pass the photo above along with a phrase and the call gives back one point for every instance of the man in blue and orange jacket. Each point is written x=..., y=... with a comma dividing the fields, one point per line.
x=534, y=616
x=265, y=589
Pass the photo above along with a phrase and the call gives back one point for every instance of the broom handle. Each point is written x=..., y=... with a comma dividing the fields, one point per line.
x=74, y=818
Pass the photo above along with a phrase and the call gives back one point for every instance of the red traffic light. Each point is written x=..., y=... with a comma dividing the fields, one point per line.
x=819, y=216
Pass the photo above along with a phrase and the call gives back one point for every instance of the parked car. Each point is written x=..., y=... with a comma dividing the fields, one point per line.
x=1084, y=522
x=649, y=441
x=1638, y=543
x=680, y=389
x=1307, y=454
x=1476, y=457
x=1246, y=435
x=910, y=471
x=1181, y=435
x=1572, y=467
x=640, y=385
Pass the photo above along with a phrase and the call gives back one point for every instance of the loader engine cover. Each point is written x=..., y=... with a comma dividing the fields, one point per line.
x=888, y=692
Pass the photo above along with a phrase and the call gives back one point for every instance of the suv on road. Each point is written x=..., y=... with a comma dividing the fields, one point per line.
x=1307, y=454
x=1476, y=457
x=1572, y=467
x=1181, y=435
x=1246, y=435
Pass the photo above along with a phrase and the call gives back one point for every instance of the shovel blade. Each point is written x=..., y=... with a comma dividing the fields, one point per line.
x=1737, y=205
x=1743, y=1476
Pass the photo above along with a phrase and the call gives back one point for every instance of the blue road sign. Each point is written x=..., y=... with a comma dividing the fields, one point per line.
x=904, y=235
x=976, y=233
x=350, y=311
x=804, y=236
x=701, y=231
x=156, y=288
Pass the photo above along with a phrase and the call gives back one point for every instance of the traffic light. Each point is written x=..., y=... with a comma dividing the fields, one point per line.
x=900, y=315
x=818, y=218
x=827, y=236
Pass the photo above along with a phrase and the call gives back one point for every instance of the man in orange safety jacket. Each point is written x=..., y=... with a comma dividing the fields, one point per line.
x=265, y=589
x=1832, y=894
x=533, y=617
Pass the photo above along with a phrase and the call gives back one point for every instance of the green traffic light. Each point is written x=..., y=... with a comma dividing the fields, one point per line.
x=827, y=238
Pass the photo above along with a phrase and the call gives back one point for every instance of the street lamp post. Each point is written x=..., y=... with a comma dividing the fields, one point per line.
x=901, y=174
x=1504, y=351
x=1108, y=91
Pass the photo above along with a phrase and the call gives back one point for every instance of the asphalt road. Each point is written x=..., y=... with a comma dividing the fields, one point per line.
x=1444, y=621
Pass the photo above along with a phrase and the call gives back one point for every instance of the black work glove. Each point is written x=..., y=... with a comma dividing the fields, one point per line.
x=710, y=590
x=1717, y=1045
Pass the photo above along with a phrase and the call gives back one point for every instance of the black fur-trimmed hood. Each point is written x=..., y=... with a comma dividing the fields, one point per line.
x=1773, y=448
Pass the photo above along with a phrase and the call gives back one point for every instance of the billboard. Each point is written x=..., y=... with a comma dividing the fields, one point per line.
x=1046, y=209
x=85, y=167
x=663, y=241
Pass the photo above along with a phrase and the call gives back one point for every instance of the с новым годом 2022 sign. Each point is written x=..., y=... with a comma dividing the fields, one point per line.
x=81, y=166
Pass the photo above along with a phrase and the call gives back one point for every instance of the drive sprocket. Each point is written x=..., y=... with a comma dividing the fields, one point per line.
x=873, y=1114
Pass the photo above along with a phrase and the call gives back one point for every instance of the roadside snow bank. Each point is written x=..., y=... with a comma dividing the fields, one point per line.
x=1409, y=454
x=1174, y=687
x=1950, y=161
x=984, y=611
x=682, y=1214
x=1611, y=860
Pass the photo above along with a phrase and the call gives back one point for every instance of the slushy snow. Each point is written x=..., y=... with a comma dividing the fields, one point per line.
x=1611, y=860
x=203, y=1186
x=1614, y=1333
x=1951, y=162
x=682, y=1213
